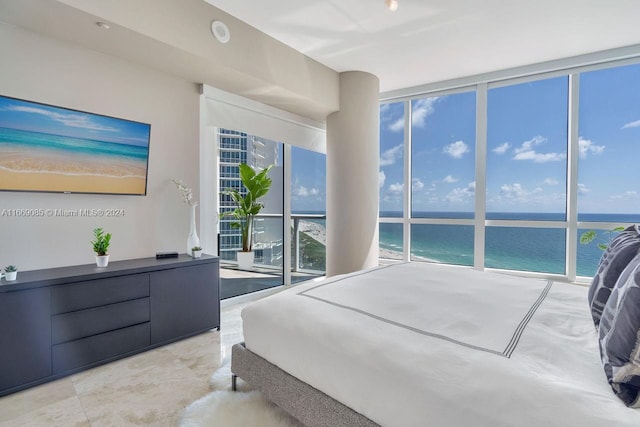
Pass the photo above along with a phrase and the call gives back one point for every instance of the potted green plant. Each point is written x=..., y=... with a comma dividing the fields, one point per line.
x=591, y=235
x=257, y=185
x=10, y=273
x=196, y=251
x=101, y=246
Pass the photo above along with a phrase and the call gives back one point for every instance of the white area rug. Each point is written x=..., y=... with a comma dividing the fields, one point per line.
x=226, y=408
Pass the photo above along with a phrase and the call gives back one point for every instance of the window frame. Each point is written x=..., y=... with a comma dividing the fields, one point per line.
x=481, y=85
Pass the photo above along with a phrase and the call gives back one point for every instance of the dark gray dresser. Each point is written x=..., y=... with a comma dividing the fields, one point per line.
x=59, y=321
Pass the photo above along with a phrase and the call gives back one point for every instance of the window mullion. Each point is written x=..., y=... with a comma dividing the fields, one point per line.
x=481, y=176
x=572, y=177
x=406, y=229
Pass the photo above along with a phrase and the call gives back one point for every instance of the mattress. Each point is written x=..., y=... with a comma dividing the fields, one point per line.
x=421, y=344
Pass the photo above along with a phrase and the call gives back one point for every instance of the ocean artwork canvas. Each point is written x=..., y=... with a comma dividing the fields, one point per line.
x=54, y=149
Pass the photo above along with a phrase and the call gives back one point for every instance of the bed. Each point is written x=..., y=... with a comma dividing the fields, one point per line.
x=421, y=344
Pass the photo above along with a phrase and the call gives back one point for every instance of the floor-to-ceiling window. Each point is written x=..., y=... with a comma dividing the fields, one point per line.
x=609, y=140
x=308, y=214
x=391, y=179
x=443, y=177
x=289, y=231
x=526, y=175
x=554, y=159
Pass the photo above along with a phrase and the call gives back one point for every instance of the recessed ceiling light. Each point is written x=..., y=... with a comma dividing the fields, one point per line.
x=103, y=25
x=221, y=31
x=392, y=5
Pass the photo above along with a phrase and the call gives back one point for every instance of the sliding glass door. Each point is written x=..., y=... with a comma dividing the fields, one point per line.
x=266, y=271
x=308, y=214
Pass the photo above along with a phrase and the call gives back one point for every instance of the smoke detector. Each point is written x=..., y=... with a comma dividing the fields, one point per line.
x=220, y=31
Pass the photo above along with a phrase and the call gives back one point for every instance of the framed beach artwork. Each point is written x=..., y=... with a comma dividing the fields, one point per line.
x=54, y=149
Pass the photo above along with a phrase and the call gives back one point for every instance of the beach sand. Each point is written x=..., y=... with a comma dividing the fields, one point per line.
x=48, y=181
x=319, y=233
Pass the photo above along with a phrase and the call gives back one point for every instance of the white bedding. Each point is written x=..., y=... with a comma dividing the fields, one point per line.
x=422, y=344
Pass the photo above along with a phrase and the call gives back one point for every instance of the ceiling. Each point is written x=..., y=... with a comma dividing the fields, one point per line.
x=427, y=41
x=423, y=42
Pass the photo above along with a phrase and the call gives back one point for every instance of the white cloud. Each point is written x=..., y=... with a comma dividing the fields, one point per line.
x=534, y=199
x=302, y=191
x=397, y=125
x=539, y=157
x=631, y=125
x=528, y=145
x=449, y=179
x=502, y=148
x=516, y=192
x=586, y=146
x=625, y=196
x=551, y=181
x=422, y=108
x=459, y=195
x=391, y=155
x=381, y=179
x=456, y=149
x=70, y=120
x=416, y=184
x=583, y=189
x=396, y=188
x=512, y=191
x=527, y=152
x=392, y=117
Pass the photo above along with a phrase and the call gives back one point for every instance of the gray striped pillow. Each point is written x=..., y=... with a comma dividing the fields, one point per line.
x=619, y=336
x=621, y=250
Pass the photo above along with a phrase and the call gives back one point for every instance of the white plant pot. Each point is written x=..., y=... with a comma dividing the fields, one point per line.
x=196, y=254
x=10, y=276
x=245, y=260
x=102, y=261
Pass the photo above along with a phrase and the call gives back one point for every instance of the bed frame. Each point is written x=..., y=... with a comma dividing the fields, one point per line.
x=304, y=402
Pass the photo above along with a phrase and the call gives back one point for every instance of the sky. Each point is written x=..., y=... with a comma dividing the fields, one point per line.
x=526, y=147
x=308, y=181
x=31, y=116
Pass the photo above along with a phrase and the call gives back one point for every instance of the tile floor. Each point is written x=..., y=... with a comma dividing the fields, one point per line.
x=148, y=389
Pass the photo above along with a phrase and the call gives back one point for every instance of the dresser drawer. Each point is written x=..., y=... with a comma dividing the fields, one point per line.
x=76, y=354
x=93, y=321
x=94, y=293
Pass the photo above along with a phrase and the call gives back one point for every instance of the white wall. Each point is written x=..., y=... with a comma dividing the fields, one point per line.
x=252, y=64
x=41, y=69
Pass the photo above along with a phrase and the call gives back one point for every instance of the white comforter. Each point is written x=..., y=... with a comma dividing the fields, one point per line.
x=421, y=344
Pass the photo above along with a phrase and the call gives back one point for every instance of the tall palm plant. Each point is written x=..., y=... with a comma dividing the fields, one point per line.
x=248, y=206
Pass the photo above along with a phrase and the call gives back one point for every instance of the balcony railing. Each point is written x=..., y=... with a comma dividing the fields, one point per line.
x=308, y=243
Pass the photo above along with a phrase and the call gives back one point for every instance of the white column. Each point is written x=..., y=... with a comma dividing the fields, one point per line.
x=353, y=150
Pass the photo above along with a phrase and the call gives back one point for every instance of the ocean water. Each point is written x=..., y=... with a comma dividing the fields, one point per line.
x=34, y=141
x=512, y=248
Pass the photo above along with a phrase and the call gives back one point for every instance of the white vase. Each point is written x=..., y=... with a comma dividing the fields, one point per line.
x=10, y=276
x=245, y=260
x=102, y=260
x=192, y=240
